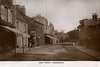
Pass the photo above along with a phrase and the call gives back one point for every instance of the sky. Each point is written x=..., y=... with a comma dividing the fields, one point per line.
x=64, y=14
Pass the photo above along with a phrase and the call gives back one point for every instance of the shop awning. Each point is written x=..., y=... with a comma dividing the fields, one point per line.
x=16, y=31
x=51, y=37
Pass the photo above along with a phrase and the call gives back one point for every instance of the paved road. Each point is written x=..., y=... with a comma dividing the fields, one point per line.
x=55, y=53
x=75, y=53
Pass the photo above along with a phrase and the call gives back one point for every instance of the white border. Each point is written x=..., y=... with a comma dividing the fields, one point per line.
x=49, y=64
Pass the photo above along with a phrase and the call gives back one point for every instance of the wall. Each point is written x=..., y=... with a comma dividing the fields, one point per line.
x=21, y=29
x=89, y=34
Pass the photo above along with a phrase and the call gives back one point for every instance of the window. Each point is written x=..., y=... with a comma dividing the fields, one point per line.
x=25, y=28
x=3, y=13
x=6, y=14
x=9, y=16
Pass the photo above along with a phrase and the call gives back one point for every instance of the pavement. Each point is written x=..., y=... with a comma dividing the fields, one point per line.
x=90, y=52
x=59, y=52
x=7, y=55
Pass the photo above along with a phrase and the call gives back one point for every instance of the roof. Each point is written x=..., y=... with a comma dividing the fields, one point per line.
x=91, y=22
x=41, y=19
x=24, y=17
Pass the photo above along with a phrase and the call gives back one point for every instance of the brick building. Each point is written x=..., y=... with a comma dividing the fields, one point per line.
x=89, y=31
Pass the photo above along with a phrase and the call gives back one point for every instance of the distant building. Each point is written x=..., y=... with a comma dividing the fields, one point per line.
x=46, y=30
x=50, y=29
x=41, y=32
x=60, y=36
x=89, y=31
x=36, y=31
x=43, y=21
x=50, y=37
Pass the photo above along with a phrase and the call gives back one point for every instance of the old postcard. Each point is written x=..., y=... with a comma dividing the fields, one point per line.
x=49, y=30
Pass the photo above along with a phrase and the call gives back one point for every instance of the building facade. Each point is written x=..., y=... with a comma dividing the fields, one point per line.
x=21, y=25
x=7, y=35
x=89, y=31
x=36, y=29
x=41, y=31
x=13, y=26
x=50, y=37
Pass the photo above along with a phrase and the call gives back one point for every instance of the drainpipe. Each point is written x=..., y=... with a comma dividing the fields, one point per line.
x=23, y=44
x=14, y=14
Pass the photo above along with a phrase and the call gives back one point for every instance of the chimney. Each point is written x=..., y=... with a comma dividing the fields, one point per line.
x=94, y=16
x=21, y=8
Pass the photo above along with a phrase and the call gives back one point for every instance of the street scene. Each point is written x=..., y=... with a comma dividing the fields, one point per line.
x=47, y=30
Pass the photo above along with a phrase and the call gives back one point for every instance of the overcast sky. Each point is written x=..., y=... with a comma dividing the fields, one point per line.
x=64, y=14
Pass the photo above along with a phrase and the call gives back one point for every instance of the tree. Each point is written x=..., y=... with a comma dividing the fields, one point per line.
x=72, y=36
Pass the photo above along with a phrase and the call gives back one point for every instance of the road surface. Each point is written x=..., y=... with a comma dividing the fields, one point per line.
x=54, y=53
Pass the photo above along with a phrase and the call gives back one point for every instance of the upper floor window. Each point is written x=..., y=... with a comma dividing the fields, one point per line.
x=3, y=13
x=9, y=16
x=6, y=14
x=26, y=28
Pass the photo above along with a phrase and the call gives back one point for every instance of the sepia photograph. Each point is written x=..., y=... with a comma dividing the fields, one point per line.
x=49, y=30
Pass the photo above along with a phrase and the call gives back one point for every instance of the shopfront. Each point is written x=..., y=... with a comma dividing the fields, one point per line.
x=7, y=39
x=50, y=39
